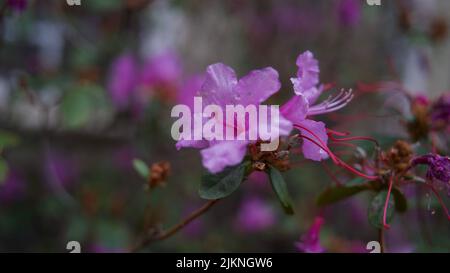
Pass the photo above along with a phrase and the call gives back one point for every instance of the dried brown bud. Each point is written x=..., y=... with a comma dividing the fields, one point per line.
x=261, y=159
x=159, y=172
x=419, y=127
x=398, y=156
x=438, y=30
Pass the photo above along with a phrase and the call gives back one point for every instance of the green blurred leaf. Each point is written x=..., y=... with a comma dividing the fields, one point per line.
x=112, y=236
x=357, y=181
x=104, y=6
x=280, y=188
x=83, y=57
x=77, y=229
x=141, y=168
x=217, y=186
x=376, y=209
x=7, y=139
x=80, y=103
x=3, y=170
x=335, y=194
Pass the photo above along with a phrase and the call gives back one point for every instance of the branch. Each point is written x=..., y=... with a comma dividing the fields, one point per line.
x=151, y=237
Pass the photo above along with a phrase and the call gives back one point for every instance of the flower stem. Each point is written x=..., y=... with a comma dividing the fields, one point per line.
x=386, y=203
x=174, y=229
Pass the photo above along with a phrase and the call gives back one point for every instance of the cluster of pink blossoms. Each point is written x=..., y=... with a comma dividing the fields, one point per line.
x=222, y=87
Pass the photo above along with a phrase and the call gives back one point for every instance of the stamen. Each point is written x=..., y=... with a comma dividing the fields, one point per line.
x=338, y=133
x=351, y=145
x=323, y=145
x=335, y=159
x=355, y=171
x=323, y=148
x=338, y=161
x=386, y=203
x=331, y=174
x=332, y=104
x=354, y=138
x=330, y=134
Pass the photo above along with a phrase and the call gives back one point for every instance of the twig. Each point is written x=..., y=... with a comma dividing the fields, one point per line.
x=171, y=231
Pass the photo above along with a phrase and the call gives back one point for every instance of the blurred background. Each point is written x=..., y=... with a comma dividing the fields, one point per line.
x=86, y=90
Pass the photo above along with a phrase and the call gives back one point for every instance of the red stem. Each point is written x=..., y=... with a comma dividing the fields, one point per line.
x=386, y=203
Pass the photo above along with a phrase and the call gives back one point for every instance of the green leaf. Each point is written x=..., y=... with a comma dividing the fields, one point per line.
x=280, y=188
x=141, y=168
x=356, y=181
x=80, y=103
x=335, y=194
x=217, y=186
x=104, y=6
x=401, y=204
x=376, y=209
x=3, y=170
x=7, y=139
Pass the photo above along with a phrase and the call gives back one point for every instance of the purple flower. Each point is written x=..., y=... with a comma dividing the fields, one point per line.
x=13, y=188
x=307, y=76
x=259, y=181
x=301, y=106
x=254, y=215
x=310, y=242
x=164, y=69
x=18, y=5
x=438, y=167
x=349, y=12
x=61, y=169
x=189, y=89
x=440, y=112
x=122, y=80
x=221, y=87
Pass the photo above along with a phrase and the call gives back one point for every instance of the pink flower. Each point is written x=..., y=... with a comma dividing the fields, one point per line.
x=310, y=241
x=307, y=76
x=349, y=12
x=221, y=87
x=254, y=215
x=18, y=5
x=189, y=89
x=164, y=69
x=438, y=172
x=13, y=188
x=122, y=81
x=301, y=106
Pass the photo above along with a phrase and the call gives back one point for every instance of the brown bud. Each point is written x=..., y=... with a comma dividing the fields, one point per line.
x=399, y=156
x=159, y=173
x=438, y=30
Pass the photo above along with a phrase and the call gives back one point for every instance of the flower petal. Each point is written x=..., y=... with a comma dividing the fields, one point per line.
x=122, y=80
x=310, y=149
x=310, y=94
x=199, y=144
x=164, y=68
x=296, y=109
x=223, y=154
x=218, y=85
x=308, y=72
x=257, y=86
